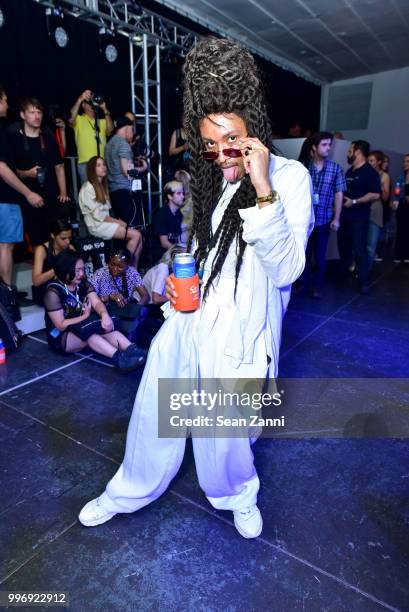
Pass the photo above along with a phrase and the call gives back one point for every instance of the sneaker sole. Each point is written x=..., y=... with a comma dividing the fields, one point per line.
x=245, y=534
x=96, y=522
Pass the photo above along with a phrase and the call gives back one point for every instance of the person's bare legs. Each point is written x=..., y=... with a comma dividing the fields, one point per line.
x=6, y=261
x=134, y=242
x=74, y=344
x=118, y=340
x=100, y=345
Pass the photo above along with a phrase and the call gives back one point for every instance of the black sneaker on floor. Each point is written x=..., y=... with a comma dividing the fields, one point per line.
x=129, y=359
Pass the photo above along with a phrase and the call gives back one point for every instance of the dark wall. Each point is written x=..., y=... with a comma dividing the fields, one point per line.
x=31, y=64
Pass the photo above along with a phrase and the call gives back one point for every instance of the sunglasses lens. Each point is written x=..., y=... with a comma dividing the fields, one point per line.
x=210, y=155
x=232, y=152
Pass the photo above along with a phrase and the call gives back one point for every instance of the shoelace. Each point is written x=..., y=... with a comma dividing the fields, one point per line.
x=246, y=511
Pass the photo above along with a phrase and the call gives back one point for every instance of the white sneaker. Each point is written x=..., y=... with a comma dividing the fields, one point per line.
x=406, y=261
x=396, y=261
x=94, y=514
x=248, y=522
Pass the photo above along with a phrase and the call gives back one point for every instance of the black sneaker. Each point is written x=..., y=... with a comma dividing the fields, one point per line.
x=130, y=359
x=135, y=350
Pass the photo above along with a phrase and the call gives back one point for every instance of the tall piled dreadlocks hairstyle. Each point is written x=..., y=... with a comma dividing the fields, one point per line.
x=220, y=77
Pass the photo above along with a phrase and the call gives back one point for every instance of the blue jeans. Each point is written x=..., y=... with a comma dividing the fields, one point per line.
x=374, y=231
x=82, y=172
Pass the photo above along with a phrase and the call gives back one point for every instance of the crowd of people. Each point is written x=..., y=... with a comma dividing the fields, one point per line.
x=248, y=215
x=361, y=206
x=33, y=199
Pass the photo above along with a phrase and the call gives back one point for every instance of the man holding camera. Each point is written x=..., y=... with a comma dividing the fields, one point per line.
x=122, y=173
x=90, y=131
x=36, y=157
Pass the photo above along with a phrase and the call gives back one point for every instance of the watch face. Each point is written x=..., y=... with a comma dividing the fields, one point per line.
x=61, y=37
x=2, y=20
x=111, y=53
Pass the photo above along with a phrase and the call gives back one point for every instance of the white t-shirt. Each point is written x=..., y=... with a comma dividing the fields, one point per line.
x=154, y=280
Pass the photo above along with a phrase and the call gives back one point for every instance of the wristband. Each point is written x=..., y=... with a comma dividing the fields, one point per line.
x=271, y=197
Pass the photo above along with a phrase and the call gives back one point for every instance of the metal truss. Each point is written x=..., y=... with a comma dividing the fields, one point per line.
x=149, y=34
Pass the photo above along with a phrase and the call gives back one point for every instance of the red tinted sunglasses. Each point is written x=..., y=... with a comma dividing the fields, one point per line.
x=213, y=155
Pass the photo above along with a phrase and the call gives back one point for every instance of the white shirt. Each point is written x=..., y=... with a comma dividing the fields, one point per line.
x=276, y=237
x=154, y=280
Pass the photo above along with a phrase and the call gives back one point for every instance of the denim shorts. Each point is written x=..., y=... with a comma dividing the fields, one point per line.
x=11, y=223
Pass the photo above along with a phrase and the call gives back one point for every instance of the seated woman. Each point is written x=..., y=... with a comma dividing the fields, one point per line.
x=154, y=279
x=118, y=282
x=95, y=206
x=44, y=255
x=121, y=288
x=72, y=325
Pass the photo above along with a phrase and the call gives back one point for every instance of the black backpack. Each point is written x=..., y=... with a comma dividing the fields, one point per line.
x=9, y=333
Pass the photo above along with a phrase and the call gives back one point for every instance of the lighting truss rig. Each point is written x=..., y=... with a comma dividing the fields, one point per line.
x=149, y=35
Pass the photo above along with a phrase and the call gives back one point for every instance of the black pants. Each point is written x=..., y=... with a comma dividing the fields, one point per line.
x=127, y=206
x=352, y=243
x=37, y=221
x=402, y=231
x=317, y=247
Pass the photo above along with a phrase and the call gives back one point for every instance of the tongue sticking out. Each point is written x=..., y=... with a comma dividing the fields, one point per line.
x=230, y=174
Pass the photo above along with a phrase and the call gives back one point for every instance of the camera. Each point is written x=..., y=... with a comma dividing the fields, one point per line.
x=41, y=174
x=96, y=99
x=133, y=173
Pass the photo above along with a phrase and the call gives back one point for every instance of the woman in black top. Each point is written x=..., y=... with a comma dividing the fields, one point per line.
x=178, y=150
x=70, y=323
x=44, y=255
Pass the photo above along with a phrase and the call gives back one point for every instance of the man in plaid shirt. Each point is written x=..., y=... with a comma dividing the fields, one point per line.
x=328, y=184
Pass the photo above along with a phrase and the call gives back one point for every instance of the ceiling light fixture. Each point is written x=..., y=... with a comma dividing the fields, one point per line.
x=2, y=17
x=107, y=44
x=56, y=27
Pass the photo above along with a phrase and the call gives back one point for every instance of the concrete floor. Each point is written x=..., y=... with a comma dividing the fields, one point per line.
x=335, y=505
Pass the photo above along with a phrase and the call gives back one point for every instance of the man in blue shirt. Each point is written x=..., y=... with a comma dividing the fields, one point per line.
x=363, y=188
x=328, y=185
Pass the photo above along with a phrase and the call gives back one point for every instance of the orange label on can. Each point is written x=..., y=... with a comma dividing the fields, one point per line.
x=188, y=293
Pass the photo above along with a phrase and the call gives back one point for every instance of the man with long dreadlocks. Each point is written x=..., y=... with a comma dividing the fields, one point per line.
x=252, y=218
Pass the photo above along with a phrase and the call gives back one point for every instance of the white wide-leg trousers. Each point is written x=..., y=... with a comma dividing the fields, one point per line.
x=186, y=344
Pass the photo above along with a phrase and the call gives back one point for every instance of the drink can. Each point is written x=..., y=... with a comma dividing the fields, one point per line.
x=184, y=265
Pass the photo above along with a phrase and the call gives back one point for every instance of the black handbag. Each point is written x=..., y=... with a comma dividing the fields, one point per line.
x=9, y=333
x=8, y=298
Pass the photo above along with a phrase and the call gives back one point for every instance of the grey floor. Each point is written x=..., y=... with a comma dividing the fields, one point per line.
x=335, y=508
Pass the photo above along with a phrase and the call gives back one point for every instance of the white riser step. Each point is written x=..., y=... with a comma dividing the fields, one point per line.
x=22, y=277
x=32, y=319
